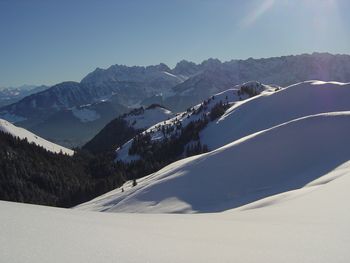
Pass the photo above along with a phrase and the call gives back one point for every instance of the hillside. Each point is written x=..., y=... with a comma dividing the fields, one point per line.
x=280, y=159
x=21, y=133
x=125, y=127
x=307, y=225
x=243, y=112
x=262, y=112
x=180, y=134
x=32, y=174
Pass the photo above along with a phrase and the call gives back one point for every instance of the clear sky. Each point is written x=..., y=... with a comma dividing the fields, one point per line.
x=46, y=42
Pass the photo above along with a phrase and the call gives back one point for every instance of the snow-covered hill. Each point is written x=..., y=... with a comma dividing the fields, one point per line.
x=126, y=126
x=306, y=225
x=271, y=109
x=280, y=159
x=148, y=117
x=171, y=128
x=21, y=133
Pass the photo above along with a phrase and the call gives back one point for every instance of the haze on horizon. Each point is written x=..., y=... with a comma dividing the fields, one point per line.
x=46, y=42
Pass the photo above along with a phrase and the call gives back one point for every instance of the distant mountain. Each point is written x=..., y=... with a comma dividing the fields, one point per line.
x=186, y=69
x=153, y=78
x=71, y=113
x=125, y=127
x=13, y=94
x=215, y=76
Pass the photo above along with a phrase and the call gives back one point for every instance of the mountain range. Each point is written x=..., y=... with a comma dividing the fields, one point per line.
x=10, y=95
x=71, y=113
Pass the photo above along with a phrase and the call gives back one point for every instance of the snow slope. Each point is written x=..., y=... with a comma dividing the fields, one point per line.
x=85, y=114
x=231, y=96
x=271, y=109
x=310, y=225
x=149, y=117
x=21, y=133
x=280, y=159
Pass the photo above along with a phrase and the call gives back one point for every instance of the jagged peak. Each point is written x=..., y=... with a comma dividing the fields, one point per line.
x=211, y=62
x=159, y=67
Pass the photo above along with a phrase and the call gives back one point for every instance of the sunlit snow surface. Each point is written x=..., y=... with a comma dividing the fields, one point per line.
x=307, y=225
x=21, y=133
x=149, y=117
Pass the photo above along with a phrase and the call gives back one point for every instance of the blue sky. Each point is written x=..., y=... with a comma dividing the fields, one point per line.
x=46, y=42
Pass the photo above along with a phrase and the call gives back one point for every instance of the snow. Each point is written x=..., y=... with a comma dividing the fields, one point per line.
x=181, y=79
x=307, y=225
x=149, y=117
x=277, y=191
x=85, y=115
x=271, y=109
x=276, y=160
x=123, y=153
x=319, y=82
x=142, y=120
x=21, y=133
x=230, y=96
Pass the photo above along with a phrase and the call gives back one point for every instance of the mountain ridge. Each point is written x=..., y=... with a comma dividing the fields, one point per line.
x=123, y=87
x=21, y=133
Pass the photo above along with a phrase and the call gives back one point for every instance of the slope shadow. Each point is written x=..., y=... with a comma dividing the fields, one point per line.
x=282, y=159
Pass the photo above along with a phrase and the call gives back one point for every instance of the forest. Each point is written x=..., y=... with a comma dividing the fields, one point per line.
x=31, y=174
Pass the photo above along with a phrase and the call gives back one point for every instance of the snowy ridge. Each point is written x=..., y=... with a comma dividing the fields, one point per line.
x=148, y=117
x=232, y=96
x=84, y=114
x=263, y=112
x=240, y=172
x=21, y=133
